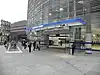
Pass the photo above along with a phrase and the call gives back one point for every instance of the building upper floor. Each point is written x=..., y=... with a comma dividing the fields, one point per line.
x=18, y=26
x=46, y=11
x=5, y=25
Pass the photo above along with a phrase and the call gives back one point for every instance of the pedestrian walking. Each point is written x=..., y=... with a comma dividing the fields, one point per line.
x=25, y=44
x=38, y=45
x=82, y=44
x=73, y=48
x=34, y=45
x=13, y=44
x=22, y=41
x=30, y=44
x=5, y=43
x=61, y=43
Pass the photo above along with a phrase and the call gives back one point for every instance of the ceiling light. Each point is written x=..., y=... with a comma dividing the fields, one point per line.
x=56, y=10
x=61, y=9
x=40, y=17
x=85, y=9
x=80, y=2
x=50, y=14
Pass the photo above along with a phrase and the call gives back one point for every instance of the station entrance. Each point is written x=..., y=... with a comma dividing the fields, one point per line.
x=61, y=37
x=61, y=34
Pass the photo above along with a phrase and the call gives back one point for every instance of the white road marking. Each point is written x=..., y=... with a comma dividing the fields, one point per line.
x=13, y=52
x=19, y=50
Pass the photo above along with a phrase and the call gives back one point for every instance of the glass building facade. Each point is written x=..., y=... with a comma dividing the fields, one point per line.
x=47, y=11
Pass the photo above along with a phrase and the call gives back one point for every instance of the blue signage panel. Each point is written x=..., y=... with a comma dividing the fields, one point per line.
x=28, y=28
x=66, y=22
x=81, y=21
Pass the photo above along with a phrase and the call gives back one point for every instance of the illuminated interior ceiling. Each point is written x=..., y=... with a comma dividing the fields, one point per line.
x=96, y=30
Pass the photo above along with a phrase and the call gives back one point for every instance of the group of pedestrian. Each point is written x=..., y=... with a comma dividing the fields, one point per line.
x=36, y=45
x=11, y=43
x=29, y=44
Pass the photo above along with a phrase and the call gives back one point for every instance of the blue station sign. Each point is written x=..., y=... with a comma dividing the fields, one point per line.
x=70, y=21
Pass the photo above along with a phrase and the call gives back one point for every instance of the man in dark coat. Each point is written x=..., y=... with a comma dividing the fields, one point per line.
x=73, y=48
x=38, y=45
x=25, y=44
x=5, y=42
x=30, y=44
x=34, y=45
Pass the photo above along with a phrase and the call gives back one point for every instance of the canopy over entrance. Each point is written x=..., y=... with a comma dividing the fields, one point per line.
x=70, y=22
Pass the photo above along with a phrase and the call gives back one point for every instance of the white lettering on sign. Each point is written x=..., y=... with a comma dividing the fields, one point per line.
x=37, y=27
x=75, y=24
x=41, y=26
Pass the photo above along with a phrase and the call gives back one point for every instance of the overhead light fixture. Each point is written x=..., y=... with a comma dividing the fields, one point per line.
x=80, y=2
x=93, y=35
x=56, y=10
x=85, y=9
x=40, y=17
x=50, y=14
x=61, y=9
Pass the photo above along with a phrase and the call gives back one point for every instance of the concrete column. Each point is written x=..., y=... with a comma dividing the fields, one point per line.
x=68, y=8
x=88, y=26
x=74, y=8
x=74, y=31
x=71, y=37
x=46, y=40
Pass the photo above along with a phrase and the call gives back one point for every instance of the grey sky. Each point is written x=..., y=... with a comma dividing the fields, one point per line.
x=13, y=10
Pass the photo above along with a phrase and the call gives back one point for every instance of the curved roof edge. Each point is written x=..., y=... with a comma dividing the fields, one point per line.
x=69, y=21
x=20, y=22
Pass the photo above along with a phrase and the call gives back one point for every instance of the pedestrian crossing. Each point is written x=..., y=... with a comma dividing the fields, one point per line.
x=12, y=50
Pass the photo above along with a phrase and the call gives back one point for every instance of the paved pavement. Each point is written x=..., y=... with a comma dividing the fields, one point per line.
x=48, y=62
